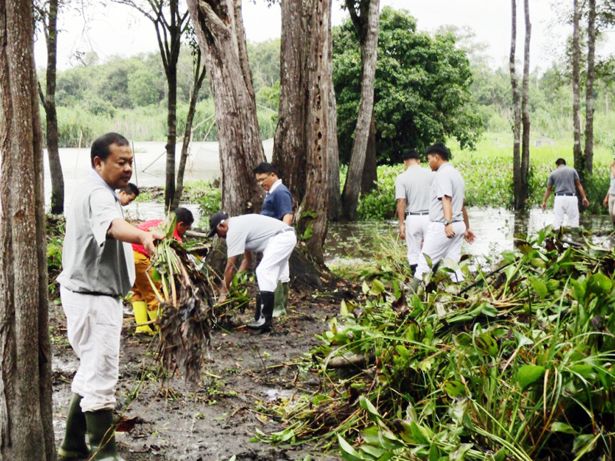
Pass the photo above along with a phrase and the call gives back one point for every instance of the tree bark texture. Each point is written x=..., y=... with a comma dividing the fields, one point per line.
x=51, y=116
x=219, y=30
x=197, y=83
x=334, y=187
x=516, y=106
x=589, y=89
x=312, y=216
x=289, y=146
x=26, y=429
x=579, y=162
x=352, y=186
x=525, y=110
x=370, y=171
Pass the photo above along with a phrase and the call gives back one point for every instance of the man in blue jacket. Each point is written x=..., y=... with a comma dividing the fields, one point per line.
x=278, y=204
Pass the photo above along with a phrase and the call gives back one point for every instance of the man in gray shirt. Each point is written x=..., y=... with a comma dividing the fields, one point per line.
x=449, y=223
x=566, y=181
x=97, y=270
x=412, y=189
x=260, y=234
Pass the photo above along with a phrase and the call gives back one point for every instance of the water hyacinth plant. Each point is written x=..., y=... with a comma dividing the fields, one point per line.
x=516, y=364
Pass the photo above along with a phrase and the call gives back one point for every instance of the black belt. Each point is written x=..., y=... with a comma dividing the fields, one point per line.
x=95, y=293
x=417, y=213
x=565, y=195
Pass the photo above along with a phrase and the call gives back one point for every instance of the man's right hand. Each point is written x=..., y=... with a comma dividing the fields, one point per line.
x=544, y=206
x=148, y=239
x=606, y=201
x=402, y=231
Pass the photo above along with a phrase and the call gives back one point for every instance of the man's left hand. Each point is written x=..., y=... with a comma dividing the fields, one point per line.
x=469, y=236
x=585, y=202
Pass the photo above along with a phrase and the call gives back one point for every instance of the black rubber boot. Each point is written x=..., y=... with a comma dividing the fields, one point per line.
x=102, y=435
x=73, y=446
x=258, y=309
x=263, y=324
x=413, y=268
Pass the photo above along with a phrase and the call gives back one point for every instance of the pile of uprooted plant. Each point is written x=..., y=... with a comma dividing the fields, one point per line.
x=514, y=364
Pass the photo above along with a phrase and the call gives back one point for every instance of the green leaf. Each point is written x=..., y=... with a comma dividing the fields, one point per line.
x=529, y=374
x=562, y=427
x=348, y=451
x=368, y=406
x=540, y=287
x=454, y=388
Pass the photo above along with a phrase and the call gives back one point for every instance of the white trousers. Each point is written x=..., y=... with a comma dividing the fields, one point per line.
x=93, y=327
x=416, y=230
x=612, y=207
x=565, y=205
x=438, y=247
x=275, y=260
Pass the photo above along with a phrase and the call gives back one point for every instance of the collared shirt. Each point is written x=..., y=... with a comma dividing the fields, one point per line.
x=447, y=181
x=414, y=186
x=278, y=201
x=93, y=262
x=564, y=180
x=251, y=232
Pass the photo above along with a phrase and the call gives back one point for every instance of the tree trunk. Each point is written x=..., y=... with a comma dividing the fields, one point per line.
x=525, y=111
x=312, y=216
x=169, y=190
x=218, y=26
x=589, y=89
x=369, y=47
x=579, y=162
x=516, y=105
x=197, y=82
x=26, y=426
x=289, y=141
x=370, y=171
x=333, y=188
x=49, y=104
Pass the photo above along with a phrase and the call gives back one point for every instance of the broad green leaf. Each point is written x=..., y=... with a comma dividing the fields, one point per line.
x=562, y=427
x=454, y=388
x=348, y=451
x=529, y=374
x=540, y=287
x=368, y=406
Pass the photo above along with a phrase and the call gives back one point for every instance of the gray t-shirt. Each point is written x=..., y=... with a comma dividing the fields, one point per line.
x=251, y=232
x=447, y=181
x=414, y=185
x=564, y=180
x=92, y=262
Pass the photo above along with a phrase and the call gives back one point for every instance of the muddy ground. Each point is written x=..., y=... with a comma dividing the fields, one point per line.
x=217, y=419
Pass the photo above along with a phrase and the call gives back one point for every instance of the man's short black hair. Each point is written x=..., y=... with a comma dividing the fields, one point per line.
x=410, y=154
x=560, y=161
x=131, y=188
x=100, y=147
x=266, y=167
x=184, y=215
x=440, y=149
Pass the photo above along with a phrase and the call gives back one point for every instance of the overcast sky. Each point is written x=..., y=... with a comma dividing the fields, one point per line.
x=118, y=30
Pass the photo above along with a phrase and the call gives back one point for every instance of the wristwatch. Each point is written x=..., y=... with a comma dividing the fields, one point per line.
x=446, y=223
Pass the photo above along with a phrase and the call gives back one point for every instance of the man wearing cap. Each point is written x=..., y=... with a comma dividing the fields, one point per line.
x=449, y=223
x=566, y=181
x=278, y=204
x=412, y=189
x=255, y=233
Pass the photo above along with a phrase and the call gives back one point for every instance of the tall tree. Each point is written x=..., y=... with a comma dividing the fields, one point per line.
x=579, y=161
x=26, y=426
x=525, y=110
x=516, y=104
x=365, y=15
x=197, y=82
x=305, y=146
x=48, y=14
x=219, y=29
x=170, y=22
x=589, y=88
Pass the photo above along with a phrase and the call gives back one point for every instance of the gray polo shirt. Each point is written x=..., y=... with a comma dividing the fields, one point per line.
x=564, y=180
x=447, y=181
x=251, y=232
x=414, y=186
x=92, y=262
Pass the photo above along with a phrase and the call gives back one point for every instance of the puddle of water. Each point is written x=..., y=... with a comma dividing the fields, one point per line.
x=495, y=229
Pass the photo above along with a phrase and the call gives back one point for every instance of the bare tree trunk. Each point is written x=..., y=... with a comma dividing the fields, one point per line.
x=370, y=171
x=369, y=49
x=333, y=188
x=218, y=26
x=516, y=105
x=197, y=83
x=289, y=142
x=589, y=89
x=49, y=104
x=26, y=426
x=312, y=216
x=579, y=162
x=169, y=189
x=525, y=111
